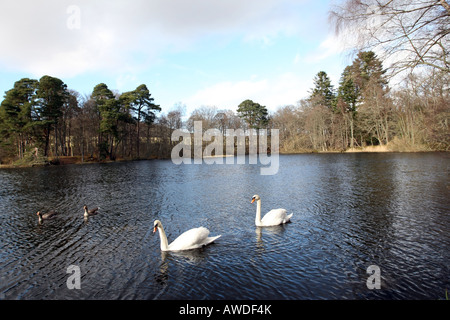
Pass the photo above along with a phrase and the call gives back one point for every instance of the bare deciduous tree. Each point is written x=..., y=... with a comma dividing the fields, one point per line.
x=407, y=33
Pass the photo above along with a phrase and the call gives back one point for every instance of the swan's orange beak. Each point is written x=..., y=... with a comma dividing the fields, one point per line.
x=154, y=229
x=253, y=200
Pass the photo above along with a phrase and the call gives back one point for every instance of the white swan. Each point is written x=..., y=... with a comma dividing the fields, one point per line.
x=191, y=239
x=272, y=218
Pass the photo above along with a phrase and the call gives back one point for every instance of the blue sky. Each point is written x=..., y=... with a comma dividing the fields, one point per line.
x=193, y=52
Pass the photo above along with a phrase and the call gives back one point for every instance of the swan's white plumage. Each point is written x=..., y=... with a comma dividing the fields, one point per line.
x=191, y=239
x=275, y=217
x=272, y=218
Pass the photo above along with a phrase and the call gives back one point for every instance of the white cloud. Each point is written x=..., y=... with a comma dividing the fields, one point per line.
x=285, y=89
x=38, y=40
x=226, y=94
x=332, y=45
x=36, y=36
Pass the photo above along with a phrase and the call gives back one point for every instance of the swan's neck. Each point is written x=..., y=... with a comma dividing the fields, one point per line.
x=86, y=214
x=258, y=213
x=163, y=238
x=40, y=219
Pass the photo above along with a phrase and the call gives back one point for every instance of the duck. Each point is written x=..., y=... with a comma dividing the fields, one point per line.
x=46, y=216
x=274, y=217
x=88, y=213
x=191, y=239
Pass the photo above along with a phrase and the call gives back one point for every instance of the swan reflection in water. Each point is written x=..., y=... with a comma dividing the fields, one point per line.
x=191, y=257
x=271, y=231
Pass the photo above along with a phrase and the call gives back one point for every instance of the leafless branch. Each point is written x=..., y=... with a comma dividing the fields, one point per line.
x=408, y=33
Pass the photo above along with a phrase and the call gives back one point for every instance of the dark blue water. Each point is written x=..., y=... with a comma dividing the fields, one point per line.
x=350, y=211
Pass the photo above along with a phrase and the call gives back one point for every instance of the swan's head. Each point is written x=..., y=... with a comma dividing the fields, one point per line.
x=255, y=198
x=38, y=213
x=85, y=207
x=156, y=225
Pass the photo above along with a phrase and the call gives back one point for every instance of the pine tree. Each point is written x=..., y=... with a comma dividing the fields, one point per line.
x=369, y=77
x=253, y=113
x=52, y=94
x=367, y=67
x=141, y=102
x=323, y=92
x=347, y=98
x=108, y=110
x=358, y=83
x=15, y=116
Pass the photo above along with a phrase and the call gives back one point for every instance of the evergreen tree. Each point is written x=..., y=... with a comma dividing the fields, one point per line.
x=141, y=102
x=347, y=98
x=348, y=92
x=367, y=67
x=108, y=110
x=358, y=83
x=15, y=116
x=52, y=94
x=323, y=92
x=253, y=113
x=374, y=104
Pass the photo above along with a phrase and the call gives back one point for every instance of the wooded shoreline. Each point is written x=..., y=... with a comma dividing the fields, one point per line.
x=36, y=127
x=76, y=160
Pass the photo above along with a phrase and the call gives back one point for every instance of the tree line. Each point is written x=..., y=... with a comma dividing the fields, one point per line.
x=363, y=111
x=41, y=119
x=413, y=36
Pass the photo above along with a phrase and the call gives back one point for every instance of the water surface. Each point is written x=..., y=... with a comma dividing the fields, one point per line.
x=350, y=211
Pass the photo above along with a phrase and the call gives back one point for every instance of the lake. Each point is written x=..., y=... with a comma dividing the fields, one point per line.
x=351, y=211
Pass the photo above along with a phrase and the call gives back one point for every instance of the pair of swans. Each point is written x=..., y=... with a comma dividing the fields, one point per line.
x=199, y=237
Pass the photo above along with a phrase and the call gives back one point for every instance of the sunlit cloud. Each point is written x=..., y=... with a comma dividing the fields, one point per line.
x=285, y=89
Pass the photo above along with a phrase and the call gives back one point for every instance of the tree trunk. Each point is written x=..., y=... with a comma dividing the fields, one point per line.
x=351, y=132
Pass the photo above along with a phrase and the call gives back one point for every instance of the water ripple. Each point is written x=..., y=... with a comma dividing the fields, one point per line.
x=350, y=211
